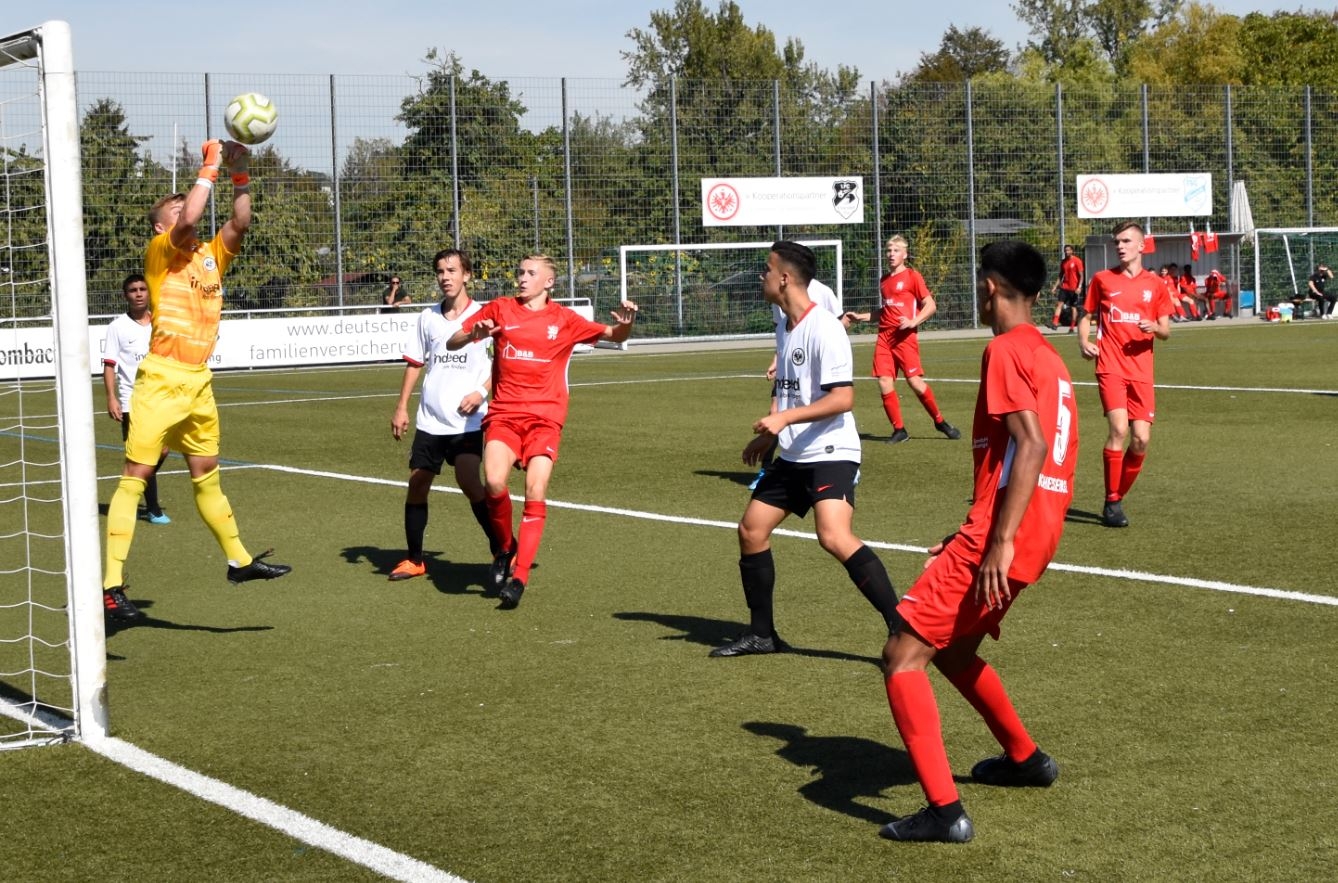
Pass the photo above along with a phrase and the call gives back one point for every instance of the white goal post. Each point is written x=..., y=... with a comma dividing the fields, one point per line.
x=1284, y=258
x=697, y=291
x=53, y=660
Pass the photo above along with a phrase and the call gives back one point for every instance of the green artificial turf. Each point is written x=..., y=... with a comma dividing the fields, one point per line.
x=587, y=736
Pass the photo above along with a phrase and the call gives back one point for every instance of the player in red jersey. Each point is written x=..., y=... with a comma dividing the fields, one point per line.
x=533, y=339
x=1068, y=286
x=905, y=305
x=1189, y=292
x=1025, y=450
x=1131, y=308
x=1215, y=289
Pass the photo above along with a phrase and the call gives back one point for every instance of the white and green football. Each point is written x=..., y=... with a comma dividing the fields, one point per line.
x=251, y=118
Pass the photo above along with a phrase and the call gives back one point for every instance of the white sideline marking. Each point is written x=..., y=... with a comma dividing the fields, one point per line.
x=1132, y=575
x=282, y=819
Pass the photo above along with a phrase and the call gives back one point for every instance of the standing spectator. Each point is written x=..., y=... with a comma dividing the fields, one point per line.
x=395, y=295
x=174, y=391
x=1025, y=451
x=533, y=340
x=1131, y=310
x=1316, y=286
x=126, y=345
x=449, y=425
x=1068, y=286
x=818, y=467
x=1215, y=289
x=906, y=304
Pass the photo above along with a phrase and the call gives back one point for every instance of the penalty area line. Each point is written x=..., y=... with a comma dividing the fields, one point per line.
x=1110, y=573
x=380, y=859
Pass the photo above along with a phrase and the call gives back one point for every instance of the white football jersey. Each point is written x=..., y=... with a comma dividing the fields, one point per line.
x=818, y=292
x=125, y=346
x=813, y=355
x=451, y=375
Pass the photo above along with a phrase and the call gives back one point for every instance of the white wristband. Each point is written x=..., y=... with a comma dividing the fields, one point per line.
x=205, y=181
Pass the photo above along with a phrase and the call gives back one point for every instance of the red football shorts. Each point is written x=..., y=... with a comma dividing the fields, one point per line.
x=942, y=605
x=1138, y=398
x=897, y=354
x=527, y=437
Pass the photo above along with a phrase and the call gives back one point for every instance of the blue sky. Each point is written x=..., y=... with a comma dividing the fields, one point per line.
x=502, y=38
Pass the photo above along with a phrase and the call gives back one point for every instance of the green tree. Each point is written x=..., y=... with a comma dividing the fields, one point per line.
x=119, y=187
x=961, y=55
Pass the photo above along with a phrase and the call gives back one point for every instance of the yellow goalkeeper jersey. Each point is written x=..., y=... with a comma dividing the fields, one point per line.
x=186, y=297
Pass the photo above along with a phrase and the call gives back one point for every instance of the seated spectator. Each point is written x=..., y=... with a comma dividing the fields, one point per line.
x=1189, y=291
x=1315, y=286
x=1215, y=289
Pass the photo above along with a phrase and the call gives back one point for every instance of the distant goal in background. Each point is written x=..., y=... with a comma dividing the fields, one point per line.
x=708, y=290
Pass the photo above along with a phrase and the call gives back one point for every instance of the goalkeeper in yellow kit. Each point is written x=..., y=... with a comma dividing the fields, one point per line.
x=173, y=399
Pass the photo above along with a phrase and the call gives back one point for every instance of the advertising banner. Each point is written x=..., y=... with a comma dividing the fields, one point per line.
x=769, y=202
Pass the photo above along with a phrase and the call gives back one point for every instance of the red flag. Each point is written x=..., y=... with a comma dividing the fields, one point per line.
x=1210, y=242
x=1149, y=244
x=1194, y=239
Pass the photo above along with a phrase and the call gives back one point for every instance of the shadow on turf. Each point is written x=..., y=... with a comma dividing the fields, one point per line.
x=1082, y=516
x=743, y=478
x=113, y=627
x=447, y=577
x=714, y=632
x=844, y=768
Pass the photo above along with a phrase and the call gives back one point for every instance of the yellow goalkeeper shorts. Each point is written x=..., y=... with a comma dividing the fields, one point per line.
x=173, y=406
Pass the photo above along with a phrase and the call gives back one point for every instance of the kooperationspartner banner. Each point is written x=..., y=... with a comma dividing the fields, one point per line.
x=1145, y=196
x=768, y=202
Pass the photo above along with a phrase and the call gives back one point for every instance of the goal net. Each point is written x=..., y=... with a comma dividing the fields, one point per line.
x=1284, y=259
x=708, y=290
x=52, y=643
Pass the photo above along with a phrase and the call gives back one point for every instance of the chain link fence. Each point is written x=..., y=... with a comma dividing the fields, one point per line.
x=369, y=176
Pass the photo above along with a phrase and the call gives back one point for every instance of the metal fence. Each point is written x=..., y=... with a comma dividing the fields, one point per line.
x=371, y=175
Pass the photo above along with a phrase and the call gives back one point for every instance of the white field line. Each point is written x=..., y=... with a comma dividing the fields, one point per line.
x=303, y=828
x=1131, y=575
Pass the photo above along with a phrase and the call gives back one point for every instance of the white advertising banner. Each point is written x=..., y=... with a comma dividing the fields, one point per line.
x=768, y=202
x=1144, y=196
x=250, y=343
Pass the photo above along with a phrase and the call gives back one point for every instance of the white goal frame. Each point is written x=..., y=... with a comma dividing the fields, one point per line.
x=838, y=286
x=49, y=48
x=1284, y=233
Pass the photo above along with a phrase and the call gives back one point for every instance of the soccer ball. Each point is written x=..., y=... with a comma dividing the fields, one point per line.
x=250, y=118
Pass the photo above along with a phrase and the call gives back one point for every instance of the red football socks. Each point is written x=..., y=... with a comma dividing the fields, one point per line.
x=979, y=684
x=927, y=399
x=1133, y=464
x=1114, y=463
x=916, y=715
x=532, y=519
x=499, y=515
x=892, y=408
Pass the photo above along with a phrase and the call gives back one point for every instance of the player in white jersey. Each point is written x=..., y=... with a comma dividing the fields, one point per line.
x=126, y=344
x=822, y=295
x=449, y=424
x=819, y=449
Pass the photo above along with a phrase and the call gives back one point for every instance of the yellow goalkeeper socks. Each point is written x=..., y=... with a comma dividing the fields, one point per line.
x=121, y=528
x=217, y=514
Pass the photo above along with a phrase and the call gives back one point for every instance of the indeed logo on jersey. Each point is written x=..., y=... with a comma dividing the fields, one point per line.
x=451, y=358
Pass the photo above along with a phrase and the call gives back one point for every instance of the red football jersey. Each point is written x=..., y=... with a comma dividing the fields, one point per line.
x=1119, y=303
x=1020, y=371
x=531, y=352
x=1070, y=273
x=904, y=294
